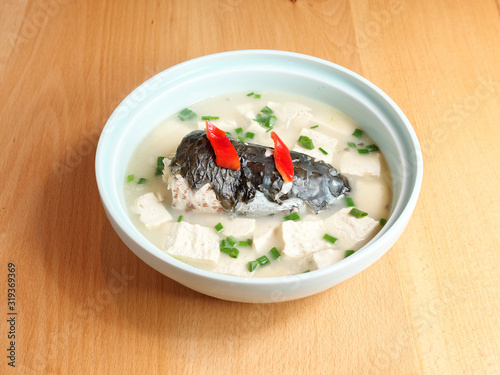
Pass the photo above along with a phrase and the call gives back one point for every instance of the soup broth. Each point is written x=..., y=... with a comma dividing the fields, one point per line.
x=312, y=242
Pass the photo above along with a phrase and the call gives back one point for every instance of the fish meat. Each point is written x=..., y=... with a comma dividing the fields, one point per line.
x=198, y=184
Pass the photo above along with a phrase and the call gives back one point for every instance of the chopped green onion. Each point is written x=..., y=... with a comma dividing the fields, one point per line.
x=349, y=202
x=186, y=114
x=348, y=252
x=159, y=161
x=271, y=121
x=159, y=165
x=223, y=243
x=382, y=221
x=234, y=253
x=306, y=142
x=372, y=148
x=314, y=127
x=267, y=110
x=130, y=178
x=274, y=253
x=358, y=213
x=238, y=130
x=231, y=241
x=323, y=151
x=243, y=243
x=226, y=250
x=179, y=219
x=209, y=118
x=329, y=238
x=219, y=228
x=252, y=265
x=241, y=139
x=228, y=133
x=256, y=96
x=306, y=271
x=351, y=144
x=250, y=135
x=358, y=133
x=292, y=216
x=261, y=119
x=363, y=151
x=268, y=120
x=263, y=260
x=250, y=242
x=142, y=180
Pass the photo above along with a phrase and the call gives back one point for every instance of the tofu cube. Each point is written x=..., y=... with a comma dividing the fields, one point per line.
x=303, y=237
x=152, y=212
x=230, y=266
x=239, y=228
x=260, y=137
x=247, y=111
x=349, y=229
x=357, y=164
x=193, y=242
x=325, y=258
x=319, y=140
x=265, y=240
x=290, y=112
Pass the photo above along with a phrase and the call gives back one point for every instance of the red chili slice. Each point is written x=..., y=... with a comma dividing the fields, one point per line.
x=282, y=158
x=225, y=153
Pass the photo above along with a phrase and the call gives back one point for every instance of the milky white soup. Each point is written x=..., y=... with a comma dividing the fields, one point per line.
x=300, y=245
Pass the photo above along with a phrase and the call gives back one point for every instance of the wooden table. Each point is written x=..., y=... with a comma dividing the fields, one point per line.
x=86, y=304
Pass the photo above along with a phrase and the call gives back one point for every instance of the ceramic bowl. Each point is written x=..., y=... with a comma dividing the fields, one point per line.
x=264, y=70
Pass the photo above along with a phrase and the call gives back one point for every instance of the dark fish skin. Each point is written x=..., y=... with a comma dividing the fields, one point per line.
x=315, y=182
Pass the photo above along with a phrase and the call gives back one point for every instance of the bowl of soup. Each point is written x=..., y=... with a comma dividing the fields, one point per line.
x=252, y=233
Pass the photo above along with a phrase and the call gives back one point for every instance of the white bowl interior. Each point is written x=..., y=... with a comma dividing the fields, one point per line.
x=244, y=71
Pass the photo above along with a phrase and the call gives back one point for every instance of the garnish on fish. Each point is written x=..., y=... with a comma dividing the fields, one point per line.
x=282, y=159
x=225, y=153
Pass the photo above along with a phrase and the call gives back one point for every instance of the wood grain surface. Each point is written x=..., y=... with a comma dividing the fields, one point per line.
x=85, y=304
